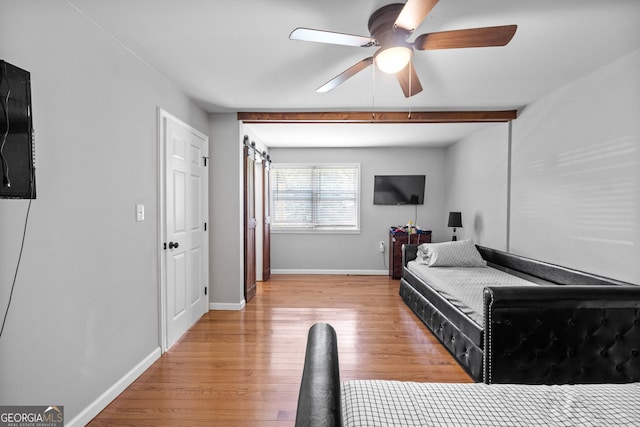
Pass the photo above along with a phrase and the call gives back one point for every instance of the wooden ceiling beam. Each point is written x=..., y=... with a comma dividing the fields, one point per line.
x=379, y=117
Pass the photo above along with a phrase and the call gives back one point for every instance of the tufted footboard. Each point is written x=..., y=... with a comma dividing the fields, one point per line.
x=562, y=335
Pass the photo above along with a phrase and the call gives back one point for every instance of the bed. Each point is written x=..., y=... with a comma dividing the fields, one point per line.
x=326, y=401
x=511, y=319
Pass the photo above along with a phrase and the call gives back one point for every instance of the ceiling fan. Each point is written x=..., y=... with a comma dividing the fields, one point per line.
x=390, y=27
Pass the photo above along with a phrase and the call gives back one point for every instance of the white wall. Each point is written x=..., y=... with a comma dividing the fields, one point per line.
x=576, y=174
x=85, y=307
x=359, y=252
x=226, y=236
x=476, y=177
x=225, y=213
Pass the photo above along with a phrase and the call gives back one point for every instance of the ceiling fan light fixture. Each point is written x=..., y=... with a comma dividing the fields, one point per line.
x=393, y=59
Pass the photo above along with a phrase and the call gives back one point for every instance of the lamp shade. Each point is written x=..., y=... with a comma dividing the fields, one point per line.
x=393, y=59
x=455, y=219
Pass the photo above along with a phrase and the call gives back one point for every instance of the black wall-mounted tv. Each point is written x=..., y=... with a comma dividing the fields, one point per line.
x=398, y=190
x=17, y=155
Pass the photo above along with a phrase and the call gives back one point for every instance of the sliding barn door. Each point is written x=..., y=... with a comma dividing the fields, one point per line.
x=249, y=224
x=266, y=212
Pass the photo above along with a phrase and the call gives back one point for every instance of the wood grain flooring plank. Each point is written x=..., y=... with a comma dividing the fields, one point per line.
x=243, y=368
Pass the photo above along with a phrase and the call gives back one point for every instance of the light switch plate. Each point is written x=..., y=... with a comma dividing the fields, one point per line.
x=139, y=212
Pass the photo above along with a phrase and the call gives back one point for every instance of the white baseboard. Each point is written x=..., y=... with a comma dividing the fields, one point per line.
x=108, y=396
x=227, y=306
x=343, y=272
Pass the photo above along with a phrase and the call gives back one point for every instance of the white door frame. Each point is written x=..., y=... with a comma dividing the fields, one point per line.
x=162, y=117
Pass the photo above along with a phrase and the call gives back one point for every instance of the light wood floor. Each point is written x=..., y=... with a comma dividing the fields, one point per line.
x=243, y=368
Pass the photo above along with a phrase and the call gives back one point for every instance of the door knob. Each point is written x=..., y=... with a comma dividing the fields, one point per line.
x=173, y=245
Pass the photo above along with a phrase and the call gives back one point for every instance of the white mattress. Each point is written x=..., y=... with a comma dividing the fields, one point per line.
x=463, y=286
x=392, y=403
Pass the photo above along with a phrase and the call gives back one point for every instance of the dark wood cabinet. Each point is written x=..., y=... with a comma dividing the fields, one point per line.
x=396, y=240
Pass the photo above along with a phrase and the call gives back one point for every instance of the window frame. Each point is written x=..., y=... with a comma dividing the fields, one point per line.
x=311, y=229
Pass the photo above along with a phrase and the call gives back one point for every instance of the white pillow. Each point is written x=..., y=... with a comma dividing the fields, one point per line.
x=462, y=253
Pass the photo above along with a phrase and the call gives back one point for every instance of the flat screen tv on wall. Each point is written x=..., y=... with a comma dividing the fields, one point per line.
x=17, y=159
x=398, y=189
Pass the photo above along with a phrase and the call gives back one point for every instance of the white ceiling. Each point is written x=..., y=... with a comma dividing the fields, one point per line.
x=235, y=55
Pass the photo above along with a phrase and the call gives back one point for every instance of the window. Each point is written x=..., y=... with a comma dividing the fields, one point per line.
x=315, y=197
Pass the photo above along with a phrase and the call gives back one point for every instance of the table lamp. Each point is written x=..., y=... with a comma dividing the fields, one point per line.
x=455, y=220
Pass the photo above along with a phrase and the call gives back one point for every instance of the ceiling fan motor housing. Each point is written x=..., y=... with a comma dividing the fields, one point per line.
x=381, y=26
x=387, y=36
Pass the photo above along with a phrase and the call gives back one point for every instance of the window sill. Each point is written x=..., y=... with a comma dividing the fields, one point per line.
x=298, y=231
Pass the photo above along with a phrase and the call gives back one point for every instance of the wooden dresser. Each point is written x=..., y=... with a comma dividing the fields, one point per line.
x=396, y=240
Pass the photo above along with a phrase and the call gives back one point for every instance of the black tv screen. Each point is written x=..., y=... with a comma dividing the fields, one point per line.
x=398, y=190
x=17, y=161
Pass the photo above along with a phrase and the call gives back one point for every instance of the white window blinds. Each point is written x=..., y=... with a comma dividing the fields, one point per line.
x=315, y=197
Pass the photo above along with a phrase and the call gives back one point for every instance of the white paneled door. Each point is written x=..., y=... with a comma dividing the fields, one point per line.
x=185, y=244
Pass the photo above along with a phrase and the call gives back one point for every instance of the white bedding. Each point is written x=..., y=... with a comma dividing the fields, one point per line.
x=392, y=403
x=463, y=286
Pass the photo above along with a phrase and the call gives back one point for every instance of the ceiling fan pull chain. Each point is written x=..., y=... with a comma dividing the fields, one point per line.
x=373, y=93
x=410, y=93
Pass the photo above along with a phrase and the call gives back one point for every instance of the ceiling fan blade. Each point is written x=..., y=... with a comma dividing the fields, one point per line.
x=345, y=75
x=321, y=36
x=409, y=80
x=413, y=13
x=473, y=37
